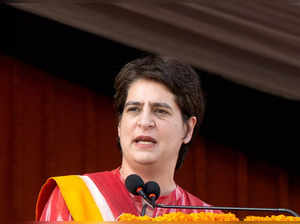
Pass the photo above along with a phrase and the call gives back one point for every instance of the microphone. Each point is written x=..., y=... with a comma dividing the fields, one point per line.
x=152, y=191
x=135, y=185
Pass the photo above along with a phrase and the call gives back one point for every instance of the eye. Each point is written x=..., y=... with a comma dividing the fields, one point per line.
x=161, y=111
x=133, y=109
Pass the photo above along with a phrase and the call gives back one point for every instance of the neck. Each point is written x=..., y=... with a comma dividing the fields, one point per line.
x=164, y=176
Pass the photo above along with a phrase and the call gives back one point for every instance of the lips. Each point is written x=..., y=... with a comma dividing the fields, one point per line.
x=145, y=140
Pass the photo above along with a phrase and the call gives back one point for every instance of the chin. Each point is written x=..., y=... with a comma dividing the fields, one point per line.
x=145, y=163
x=146, y=160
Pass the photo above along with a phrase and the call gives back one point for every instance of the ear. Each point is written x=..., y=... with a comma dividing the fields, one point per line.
x=190, y=125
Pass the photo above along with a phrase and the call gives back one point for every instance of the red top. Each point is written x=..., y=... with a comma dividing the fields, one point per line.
x=56, y=209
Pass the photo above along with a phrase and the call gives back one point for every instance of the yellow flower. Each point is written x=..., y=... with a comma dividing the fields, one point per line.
x=202, y=217
x=180, y=217
x=272, y=218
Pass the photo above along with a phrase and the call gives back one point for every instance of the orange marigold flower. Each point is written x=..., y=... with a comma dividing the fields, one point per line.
x=181, y=217
x=272, y=218
x=202, y=217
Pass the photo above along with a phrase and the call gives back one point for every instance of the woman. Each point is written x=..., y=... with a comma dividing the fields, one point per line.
x=160, y=105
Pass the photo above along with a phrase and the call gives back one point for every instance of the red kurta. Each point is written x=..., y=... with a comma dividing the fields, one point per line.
x=56, y=209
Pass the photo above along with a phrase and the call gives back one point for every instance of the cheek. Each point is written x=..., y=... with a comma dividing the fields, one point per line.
x=174, y=132
x=119, y=130
x=125, y=127
x=122, y=132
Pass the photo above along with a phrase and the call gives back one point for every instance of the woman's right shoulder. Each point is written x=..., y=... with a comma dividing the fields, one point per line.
x=55, y=208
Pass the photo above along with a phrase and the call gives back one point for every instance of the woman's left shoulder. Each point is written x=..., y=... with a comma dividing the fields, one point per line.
x=191, y=199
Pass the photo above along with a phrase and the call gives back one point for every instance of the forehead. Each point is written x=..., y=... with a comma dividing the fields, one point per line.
x=148, y=90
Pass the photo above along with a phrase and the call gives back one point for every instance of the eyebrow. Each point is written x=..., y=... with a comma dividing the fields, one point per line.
x=165, y=105
x=156, y=104
x=129, y=103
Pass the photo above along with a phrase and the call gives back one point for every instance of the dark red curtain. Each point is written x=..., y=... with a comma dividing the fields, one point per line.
x=52, y=127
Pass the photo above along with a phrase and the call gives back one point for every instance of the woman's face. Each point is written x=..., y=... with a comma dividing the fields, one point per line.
x=151, y=129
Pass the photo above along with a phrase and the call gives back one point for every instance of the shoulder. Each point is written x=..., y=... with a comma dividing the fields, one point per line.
x=100, y=174
x=51, y=191
x=191, y=199
x=104, y=176
x=55, y=209
x=49, y=200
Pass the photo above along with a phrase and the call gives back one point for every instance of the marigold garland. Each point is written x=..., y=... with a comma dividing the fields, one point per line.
x=272, y=218
x=203, y=217
x=180, y=217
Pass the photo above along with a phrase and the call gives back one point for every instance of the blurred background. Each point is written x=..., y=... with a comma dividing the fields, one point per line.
x=58, y=60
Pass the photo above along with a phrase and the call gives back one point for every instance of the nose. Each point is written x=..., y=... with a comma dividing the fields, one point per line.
x=145, y=120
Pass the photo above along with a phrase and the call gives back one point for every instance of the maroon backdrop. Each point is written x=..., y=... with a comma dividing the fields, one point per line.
x=52, y=127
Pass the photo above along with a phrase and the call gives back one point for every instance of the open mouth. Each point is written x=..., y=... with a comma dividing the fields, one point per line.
x=145, y=140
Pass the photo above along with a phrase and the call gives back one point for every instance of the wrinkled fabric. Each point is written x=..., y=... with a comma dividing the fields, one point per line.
x=56, y=208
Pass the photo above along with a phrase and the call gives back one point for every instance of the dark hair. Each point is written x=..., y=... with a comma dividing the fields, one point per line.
x=179, y=78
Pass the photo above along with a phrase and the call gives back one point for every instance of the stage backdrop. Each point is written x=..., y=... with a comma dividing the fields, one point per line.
x=52, y=127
